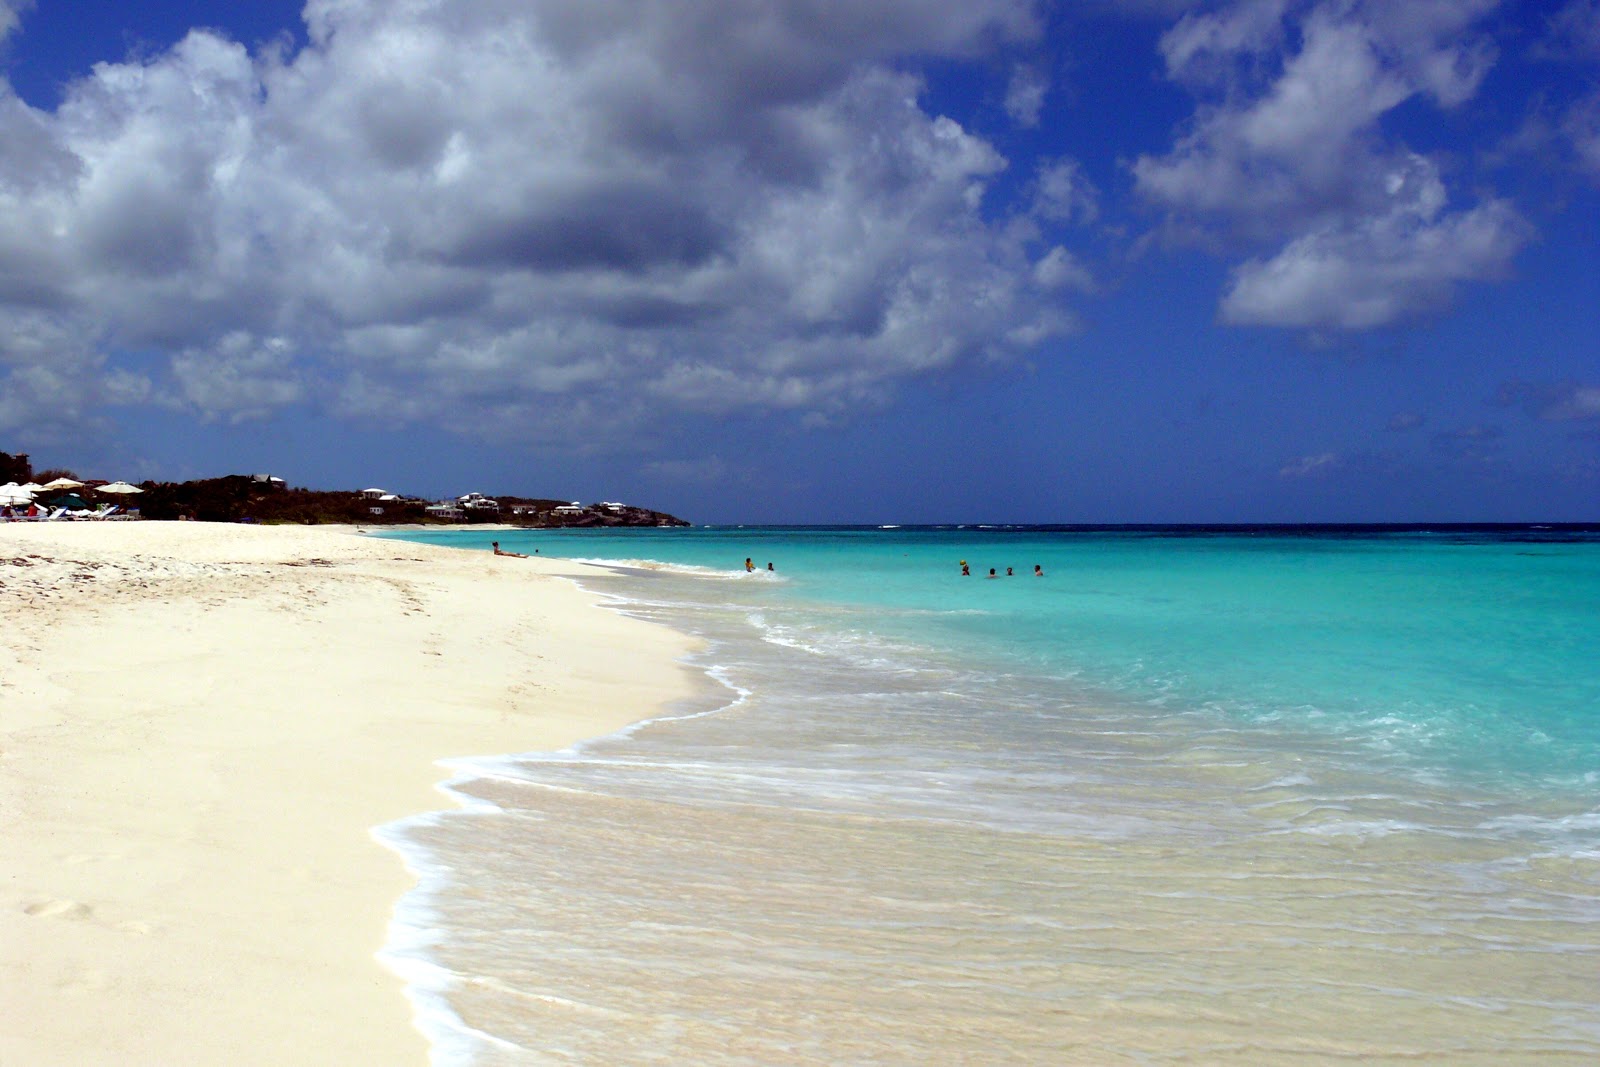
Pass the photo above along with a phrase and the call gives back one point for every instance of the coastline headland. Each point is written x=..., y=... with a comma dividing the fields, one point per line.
x=202, y=725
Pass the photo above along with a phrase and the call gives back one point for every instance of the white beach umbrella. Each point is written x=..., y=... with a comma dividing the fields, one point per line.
x=118, y=487
x=12, y=493
x=62, y=483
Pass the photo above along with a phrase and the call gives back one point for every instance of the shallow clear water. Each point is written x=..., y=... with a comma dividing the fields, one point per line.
x=1189, y=797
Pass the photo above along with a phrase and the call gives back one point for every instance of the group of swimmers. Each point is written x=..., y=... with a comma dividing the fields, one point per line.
x=966, y=572
x=750, y=564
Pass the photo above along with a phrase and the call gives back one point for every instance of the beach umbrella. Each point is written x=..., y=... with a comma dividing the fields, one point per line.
x=12, y=493
x=62, y=483
x=118, y=487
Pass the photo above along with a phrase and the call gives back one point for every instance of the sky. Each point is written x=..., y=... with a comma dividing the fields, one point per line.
x=815, y=261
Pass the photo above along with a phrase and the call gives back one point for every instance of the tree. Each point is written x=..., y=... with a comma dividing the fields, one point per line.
x=15, y=468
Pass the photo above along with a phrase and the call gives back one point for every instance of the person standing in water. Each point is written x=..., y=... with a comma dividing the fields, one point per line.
x=749, y=565
x=1038, y=571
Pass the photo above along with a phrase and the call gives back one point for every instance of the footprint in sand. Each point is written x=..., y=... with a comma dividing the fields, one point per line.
x=60, y=909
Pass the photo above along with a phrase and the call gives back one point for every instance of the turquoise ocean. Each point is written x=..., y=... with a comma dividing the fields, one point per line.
x=1195, y=795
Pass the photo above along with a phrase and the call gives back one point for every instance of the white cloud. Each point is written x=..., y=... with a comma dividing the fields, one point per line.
x=1063, y=193
x=1025, y=94
x=535, y=212
x=1311, y=466
x=246, y=376
x=1060, y=269
x=1574, y=403
x=1561, y=402
x=1366, y=272
x=1288, y=152
x=1202, y=48
x=11, y=15
x=1581, y=125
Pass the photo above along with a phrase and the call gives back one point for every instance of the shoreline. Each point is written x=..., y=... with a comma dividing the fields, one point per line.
x=202, y=727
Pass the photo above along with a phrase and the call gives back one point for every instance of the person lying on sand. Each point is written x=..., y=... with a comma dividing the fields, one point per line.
x=498, y=552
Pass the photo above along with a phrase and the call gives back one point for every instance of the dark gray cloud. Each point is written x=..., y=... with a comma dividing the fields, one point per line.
x=614, y=224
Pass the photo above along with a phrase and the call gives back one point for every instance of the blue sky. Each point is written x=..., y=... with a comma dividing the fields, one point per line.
x=801, y=261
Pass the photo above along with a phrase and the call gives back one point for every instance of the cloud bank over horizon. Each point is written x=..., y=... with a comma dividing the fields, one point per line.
x=533, y=220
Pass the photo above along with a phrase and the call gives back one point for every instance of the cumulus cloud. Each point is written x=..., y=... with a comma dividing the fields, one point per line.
x=539, y=213
x=1368, y=271
x=1063, y=193
x=10, y=15
x=1287, y=151
x=1060, y=269
x=244, y=375
x=1025, y=94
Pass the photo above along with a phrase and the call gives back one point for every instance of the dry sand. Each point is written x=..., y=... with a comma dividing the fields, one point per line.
x=200, y=725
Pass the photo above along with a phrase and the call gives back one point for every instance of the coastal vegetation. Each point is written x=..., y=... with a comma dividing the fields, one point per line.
x=264, y=499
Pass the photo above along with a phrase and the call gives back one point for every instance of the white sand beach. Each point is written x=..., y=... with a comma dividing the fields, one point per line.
x=200, y=724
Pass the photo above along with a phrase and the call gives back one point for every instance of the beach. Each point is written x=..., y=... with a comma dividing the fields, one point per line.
x=202, y=724
x=1240, y=797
